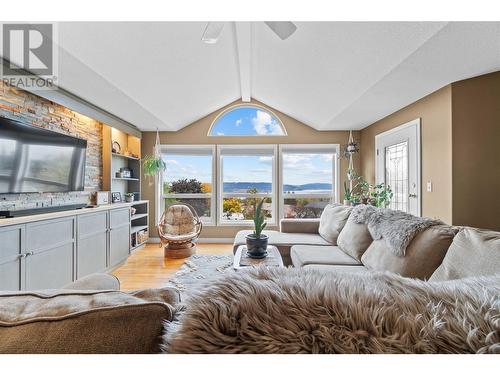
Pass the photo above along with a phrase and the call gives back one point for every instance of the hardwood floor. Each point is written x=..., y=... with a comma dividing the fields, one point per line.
x=147, y=267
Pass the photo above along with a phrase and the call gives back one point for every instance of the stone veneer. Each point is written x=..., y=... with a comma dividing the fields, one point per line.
x=23, y=106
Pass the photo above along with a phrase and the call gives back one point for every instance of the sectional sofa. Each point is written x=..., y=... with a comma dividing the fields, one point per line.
x=335, y=242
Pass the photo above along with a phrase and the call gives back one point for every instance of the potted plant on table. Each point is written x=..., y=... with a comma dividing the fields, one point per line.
x=256, y=241
x=347, y=195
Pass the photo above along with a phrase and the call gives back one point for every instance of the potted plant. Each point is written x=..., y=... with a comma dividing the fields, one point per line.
x=256, y=241
x=347, y=194
x=154, y=164
x=381, y=195
x=129, y=197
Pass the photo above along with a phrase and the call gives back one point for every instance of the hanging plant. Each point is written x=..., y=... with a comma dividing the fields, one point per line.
x=153, y=164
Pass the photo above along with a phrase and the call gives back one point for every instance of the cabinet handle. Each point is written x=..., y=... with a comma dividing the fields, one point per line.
x=22, y=256
x=30, y=253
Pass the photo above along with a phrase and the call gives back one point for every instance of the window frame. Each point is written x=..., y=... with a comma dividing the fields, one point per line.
x=242, y=148
x=247, y=105
x=333, y=148
x=184, y=150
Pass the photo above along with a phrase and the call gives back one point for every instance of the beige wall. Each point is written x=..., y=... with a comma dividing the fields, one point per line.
x=434, y=111
x=196, y=133
x=476, y=151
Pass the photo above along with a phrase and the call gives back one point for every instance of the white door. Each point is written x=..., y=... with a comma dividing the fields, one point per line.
x=397, y=164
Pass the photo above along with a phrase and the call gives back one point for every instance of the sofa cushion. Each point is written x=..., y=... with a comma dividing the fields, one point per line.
x=67, y=321
x=335, y=268
x=306, y=254
x=423, y=255
x=354, y=239
x=473, y=252
x=283, y=241
x=332, y=221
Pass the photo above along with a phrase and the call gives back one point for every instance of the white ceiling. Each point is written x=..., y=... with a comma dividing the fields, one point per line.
x=329, y=75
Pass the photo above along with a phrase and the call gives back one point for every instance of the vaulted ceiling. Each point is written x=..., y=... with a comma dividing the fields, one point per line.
x=329, y=75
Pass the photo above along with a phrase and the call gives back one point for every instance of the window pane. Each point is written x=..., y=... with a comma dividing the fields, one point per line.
x=304, y=208
x=187, y=174
x=200, y=205
x=307, y=173
x=247, y=120
x=235, y=208
x=396, y=175
x=247, y=174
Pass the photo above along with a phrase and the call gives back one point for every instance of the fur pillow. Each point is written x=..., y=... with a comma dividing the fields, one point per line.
x=332, y=221
x=291, y=310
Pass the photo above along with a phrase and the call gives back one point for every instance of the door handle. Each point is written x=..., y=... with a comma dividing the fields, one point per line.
x=412, y=195
x=22, y=256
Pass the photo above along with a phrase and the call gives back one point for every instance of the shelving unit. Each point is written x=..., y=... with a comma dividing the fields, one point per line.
x=112, y=163
x=139, y=229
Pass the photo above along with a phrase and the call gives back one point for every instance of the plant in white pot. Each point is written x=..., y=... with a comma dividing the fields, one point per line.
x=256, y=241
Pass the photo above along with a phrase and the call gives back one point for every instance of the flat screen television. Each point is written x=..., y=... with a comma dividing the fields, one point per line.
x=37, y=160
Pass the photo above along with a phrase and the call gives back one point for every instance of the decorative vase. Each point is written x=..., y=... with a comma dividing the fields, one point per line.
x=347, y=202
x=257, y=247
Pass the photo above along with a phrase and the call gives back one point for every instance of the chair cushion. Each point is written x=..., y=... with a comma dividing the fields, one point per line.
x=354, y=239
x=332, y=221
x=67, y=321
x=423, y=255
x=335, y=268
x=178, y=220
x=306, y=254
x=473, y=252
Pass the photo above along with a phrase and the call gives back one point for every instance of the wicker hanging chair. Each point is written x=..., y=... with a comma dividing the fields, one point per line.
x=179, y=228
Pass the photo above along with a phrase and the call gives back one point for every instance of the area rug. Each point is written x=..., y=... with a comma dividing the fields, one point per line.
x=200, y=271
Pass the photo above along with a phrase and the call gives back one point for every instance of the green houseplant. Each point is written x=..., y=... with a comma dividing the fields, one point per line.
x=154, y=164
x=129, y=197
x=347, y=194
x=380, y=195
x=256, y=241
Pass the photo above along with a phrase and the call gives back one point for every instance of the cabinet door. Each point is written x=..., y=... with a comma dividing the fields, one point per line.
x=11, y=258
x=50, y=246
x=119, y=244
x=92, y=243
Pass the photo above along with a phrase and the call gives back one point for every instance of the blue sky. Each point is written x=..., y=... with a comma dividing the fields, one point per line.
x=298, y=169
x=247, y=121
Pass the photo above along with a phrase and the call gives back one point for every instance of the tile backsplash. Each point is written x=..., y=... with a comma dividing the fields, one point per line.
x=23, y=106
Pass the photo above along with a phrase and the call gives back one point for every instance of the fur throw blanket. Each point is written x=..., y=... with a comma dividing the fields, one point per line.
x=396, y=227
x=305, y=311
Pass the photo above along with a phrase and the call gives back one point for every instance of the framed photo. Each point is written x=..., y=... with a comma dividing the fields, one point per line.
x=116, y=197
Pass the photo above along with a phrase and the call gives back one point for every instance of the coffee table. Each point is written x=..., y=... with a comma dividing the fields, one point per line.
x=241, y=260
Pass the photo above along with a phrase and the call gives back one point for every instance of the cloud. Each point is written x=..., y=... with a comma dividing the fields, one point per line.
x=326, y=157
x=220, y=133
x=238, y=122
x=171, y=162
x=260, y=170
x=266, y=159
x=265, y=124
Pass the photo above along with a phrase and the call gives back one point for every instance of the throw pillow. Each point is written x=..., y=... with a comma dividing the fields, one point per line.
x=354, y=239
x=332, y=221
x=474, y=252
x=423, y=255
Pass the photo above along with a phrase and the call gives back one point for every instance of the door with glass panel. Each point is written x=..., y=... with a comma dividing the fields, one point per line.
x=397, y=158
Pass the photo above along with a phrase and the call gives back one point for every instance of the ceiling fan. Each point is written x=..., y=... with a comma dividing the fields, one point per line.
x=284, y=29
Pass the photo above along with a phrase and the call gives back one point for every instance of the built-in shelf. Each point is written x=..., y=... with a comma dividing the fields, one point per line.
x=138, y=216
x=126, y=178
x=138, y=245
x=136, y=203
x=125, y=156
x=137, y=228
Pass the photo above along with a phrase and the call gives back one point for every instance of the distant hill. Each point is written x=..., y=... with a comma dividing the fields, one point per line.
x=265, y=187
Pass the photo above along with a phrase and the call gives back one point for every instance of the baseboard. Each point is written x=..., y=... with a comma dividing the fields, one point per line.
x=201, y=240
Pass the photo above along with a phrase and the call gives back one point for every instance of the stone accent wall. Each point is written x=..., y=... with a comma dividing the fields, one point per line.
x=23, y=106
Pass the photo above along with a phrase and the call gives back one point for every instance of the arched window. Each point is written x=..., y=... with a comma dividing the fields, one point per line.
x=247, y=120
